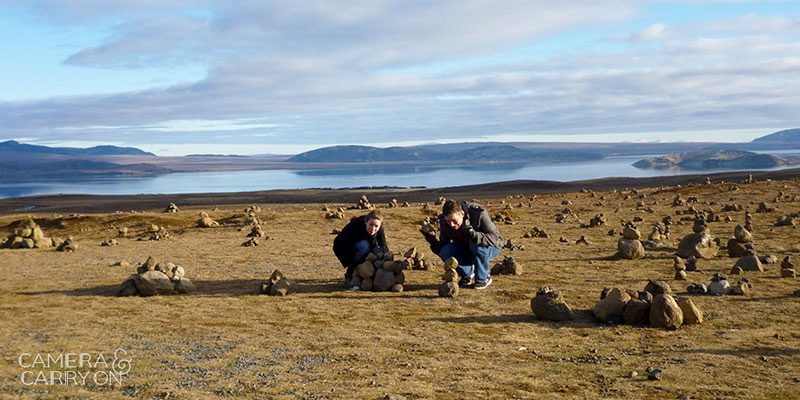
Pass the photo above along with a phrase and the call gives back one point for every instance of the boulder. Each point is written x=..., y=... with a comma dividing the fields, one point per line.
x=383, y=280
x=691, y=314
x=152, y=283
x=699, y=244
x=184, y=285
x=636, y=312
x=742, y=235
x=719, y=288
x=282, y=288
x=736, y=249
x=788, y=273
x=630, y=249
x=750, y=262
x=128, y=287
x=631, y=233
x=665, y=312
x=656, y=287
x=549, y=305
x=448, y=289
x=365, y=270
x=610, y=308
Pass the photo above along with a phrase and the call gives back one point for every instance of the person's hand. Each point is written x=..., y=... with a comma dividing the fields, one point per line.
x=468, y=230
x=429, y=233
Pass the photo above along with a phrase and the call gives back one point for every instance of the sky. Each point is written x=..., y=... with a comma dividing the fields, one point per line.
x=235, y=77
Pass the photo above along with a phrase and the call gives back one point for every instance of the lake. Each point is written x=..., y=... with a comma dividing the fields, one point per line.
x=403, y=176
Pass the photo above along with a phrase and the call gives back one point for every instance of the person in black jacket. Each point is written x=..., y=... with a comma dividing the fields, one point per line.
x=467, y=233
x=356, y=240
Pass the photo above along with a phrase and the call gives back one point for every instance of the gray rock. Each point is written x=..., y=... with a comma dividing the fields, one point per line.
x=750, y=262
x=636, y=312
x=630, y=249
x=383, y=281
x=184, y=285
x=665, y=312
x=610, y=308
x=719, y=288
x=549, y=305
x=153, y=283
x=742, y=235
x=448, y=289
x=699, y=244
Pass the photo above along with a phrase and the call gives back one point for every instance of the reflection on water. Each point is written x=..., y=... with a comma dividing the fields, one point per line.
x=400, y=176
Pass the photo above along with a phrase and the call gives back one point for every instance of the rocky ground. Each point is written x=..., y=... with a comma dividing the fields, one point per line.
x=227, y=340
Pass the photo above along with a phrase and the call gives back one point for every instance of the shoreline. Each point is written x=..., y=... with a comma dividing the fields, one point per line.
x=79, y=203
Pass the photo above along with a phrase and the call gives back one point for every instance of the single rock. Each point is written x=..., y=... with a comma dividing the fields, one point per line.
x=177, y=273
x=742, y=235
x=281, y=288
x=665, y=312
x=448, y=289
x=691, y=314
x=365, y=270
x=636, y=312
x=383, y=280
x=366, y=284
x=397, y=288
x=787, y=263
x=697, y=288
x=128, y=287
x=700, y=244
x=451, y=263
x=184, y=285
x=750, y=262
x=549, y=305
x=656, y=287
x=719, y=288
x=152, y=283
x=736, y=249
x=736, y=270
x=630, y=249
x=450, y=275
x=631, y=233
x=610, y=308
x=788, y=273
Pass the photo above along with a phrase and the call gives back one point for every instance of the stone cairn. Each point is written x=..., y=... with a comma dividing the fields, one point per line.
x=654, y=306
x=363, y=204
x=29, y=236
x=156, y=278
x=720, y=286
x=450, y=277
x=380, y=273
x=205, y=221
x=440, y=201
x=549, y=305
x=700, y=243
x=680, y=269
x=416, y=259
x=659, y=233
x=334, y=214
x=109, y=243
x=171, y=208
x=787, y=269
x=507, y=267
x=742, y=239
x=155, y=232
x=629, y=247
x=278, y=285
x=256, y=233
x=787, y=220
x=748, y=221
x=536, y=233
x=393, y=204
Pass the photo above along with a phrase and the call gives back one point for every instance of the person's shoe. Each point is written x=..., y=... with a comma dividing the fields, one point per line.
x=347, y=282
x=467, y=281
x=355, y=288
x=483, y=285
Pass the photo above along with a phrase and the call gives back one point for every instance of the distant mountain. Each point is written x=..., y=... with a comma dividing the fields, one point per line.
x=71, y=169
x=16, y=147
x=784, y=136
x=467, y=153
x=715, y=159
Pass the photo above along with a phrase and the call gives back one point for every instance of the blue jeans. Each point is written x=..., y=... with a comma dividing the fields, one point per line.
x=471, y=258
x=361, y=249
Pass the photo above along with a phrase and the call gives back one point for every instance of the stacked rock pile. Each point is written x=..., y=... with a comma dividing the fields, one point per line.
x=380, y=273
x=252, y=242
x=67, y=245
x=205, y=221
x=278, y=285
x=598, y=220
x=748, y=221
x=680, y=269
x=659, y=233
x=258, y=232
x=449, y=288
x=363, y=204
x=415, y=259
x=763, y=208
x=629, y=247
x=440, y=201
x=510, y=245
x=28, y=236
x=393, y=204
x=720, y=286
x=335, y=214
x=155, y=232
x=678, y=201
x=786, y=220
x=507, y=267
x=156, y=278
x=251, y=218
x=700, y=243
x=110, y=242
x=549, y=305
x=787, y=269
x=536, y=232
x=742, y=238
x=252, y=209
x=655, y=306
x=171, y=208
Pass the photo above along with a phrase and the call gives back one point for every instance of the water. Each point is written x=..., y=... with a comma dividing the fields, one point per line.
x=403, y=176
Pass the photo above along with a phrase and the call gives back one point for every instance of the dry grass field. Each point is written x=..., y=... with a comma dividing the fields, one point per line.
x=324, y=342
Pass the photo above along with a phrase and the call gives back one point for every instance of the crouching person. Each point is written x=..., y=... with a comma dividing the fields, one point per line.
x=467, y=233
x=361, y=235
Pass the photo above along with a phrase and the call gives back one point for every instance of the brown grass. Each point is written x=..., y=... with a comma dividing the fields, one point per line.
x=325, y=342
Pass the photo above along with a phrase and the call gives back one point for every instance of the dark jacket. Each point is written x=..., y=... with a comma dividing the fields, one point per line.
x=478, y=218
x=356, y=231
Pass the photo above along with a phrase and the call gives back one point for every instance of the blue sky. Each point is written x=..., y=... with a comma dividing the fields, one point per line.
x=284, y=77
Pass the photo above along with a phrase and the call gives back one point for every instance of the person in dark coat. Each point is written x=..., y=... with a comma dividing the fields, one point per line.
x=358, y=238
x=467, y=233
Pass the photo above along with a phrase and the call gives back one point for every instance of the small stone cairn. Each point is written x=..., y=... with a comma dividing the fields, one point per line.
x=380, y=272
x=29, y=236
x=171, y=208
x=450, y=277
x=440, y=201
x=720, y=286
x=787, y=269
x=680, y=269
x=549, y=305
x=700, y=243
x=629, y=247
x=109, y=243
x=155, y=232
x=156, y=278
x=659, y=233
x=205, y=221
x=507, y=267
x=334, y=214
x=393, y=204
x=363, y=204
x=278, y=285
x=654, y=306
x=786, y=220
x=416, y=259
x=742, y=238
x=536, y=233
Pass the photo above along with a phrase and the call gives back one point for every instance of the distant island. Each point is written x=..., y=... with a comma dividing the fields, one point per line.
x=716, y=159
